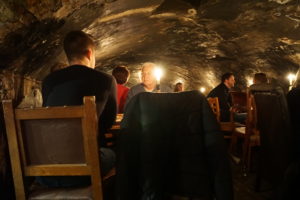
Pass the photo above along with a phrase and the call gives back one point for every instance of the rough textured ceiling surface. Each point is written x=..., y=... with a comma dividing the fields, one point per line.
x=192, y=40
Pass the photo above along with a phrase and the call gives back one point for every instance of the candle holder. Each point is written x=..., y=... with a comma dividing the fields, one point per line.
x=158, y=88
x=158, y=74
x=292, y=79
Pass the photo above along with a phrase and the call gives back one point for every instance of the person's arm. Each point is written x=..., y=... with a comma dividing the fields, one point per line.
x=123, y=100
x=108, y=116
x=130, y=94
x=45, y=92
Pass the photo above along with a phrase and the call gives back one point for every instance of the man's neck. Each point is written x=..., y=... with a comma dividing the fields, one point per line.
x=226, y=84
x=149, y=88
x=80, y=62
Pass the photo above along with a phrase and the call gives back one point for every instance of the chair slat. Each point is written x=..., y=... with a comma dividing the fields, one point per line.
x=57, y=170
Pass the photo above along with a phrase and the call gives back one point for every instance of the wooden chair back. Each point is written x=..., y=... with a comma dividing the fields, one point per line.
x=251, y=121
x=215, y=107
x=239, y=99
x=53, y=141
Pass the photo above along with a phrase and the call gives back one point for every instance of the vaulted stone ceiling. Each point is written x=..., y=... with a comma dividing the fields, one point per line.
x=192, y=40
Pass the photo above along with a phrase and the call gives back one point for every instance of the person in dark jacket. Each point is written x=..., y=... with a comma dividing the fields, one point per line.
x=260, y=78
x=222, y=92
x=170, y=146
x=68, y=86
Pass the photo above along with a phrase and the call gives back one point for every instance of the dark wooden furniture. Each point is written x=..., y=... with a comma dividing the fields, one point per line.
x=215, y=107
x=231, y=126
x=54, y=141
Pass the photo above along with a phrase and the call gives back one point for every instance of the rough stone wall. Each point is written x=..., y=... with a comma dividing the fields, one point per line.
x=194, y=41
x=16, y=87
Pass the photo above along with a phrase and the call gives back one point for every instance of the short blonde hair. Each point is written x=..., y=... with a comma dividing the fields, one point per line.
x=147, y=64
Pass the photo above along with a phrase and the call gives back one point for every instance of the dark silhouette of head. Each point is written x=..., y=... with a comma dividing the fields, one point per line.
x=228, y=79
x=78, y=45
x=178, y=87
x=260, y=78
x=121, y=74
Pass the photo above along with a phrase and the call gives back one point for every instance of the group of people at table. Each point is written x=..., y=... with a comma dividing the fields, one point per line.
x=69, y=85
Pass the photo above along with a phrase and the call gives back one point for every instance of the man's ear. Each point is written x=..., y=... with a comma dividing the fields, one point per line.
x=89, y=53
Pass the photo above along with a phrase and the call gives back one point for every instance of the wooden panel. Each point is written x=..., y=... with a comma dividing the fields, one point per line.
x=13, y=149
x=90, y=123
x=57, y=170
x=214, y=105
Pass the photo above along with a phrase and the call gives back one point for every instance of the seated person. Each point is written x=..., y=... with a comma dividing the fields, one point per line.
x=178, y=87
x=225, y=101
x=68, y=86
x=293, y=100
x=148, y=82
x=292, y=176
x=260, y=78
x=121, y=74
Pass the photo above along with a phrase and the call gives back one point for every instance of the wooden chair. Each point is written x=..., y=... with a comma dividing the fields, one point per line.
x=224, y=126
x=54, y=141
x=239, y=99
x=215, y=107
x=252, y=136
x=235, y=129
x=115, y=129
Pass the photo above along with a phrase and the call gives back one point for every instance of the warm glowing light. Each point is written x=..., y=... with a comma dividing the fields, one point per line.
x=202, y=89
x=158, y=73
x=292, y=78
x=250, y=82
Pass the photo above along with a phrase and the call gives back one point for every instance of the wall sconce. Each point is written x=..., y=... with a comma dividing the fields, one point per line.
x=291, y=78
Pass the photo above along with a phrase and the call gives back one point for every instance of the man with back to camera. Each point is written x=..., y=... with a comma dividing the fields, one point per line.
x=148, y=83
x=260, y=78
x=68, y=86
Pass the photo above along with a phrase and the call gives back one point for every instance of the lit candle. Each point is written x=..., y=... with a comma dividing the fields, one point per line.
x=202, y=89
x=158, y=74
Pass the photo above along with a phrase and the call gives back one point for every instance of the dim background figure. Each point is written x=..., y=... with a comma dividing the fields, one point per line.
x=178, y=87
x=121, y=74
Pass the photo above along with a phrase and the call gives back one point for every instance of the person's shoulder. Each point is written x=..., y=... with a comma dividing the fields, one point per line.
x=166, y=88
x=137, y=86
x=122, y=87
x=102, y=74
x=52, y=76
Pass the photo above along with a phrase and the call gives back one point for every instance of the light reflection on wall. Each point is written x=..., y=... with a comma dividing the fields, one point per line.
x=212, y=80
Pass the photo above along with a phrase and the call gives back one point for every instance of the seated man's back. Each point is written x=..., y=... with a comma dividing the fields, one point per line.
x=68, y=86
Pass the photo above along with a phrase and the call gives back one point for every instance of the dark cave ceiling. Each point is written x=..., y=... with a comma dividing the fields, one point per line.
x=194, y=41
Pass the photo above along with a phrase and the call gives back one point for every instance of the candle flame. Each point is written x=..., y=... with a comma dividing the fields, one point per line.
x=250, y=82
x=158, y=73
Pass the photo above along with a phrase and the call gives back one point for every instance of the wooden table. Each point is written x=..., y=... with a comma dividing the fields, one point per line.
x=110, y=136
